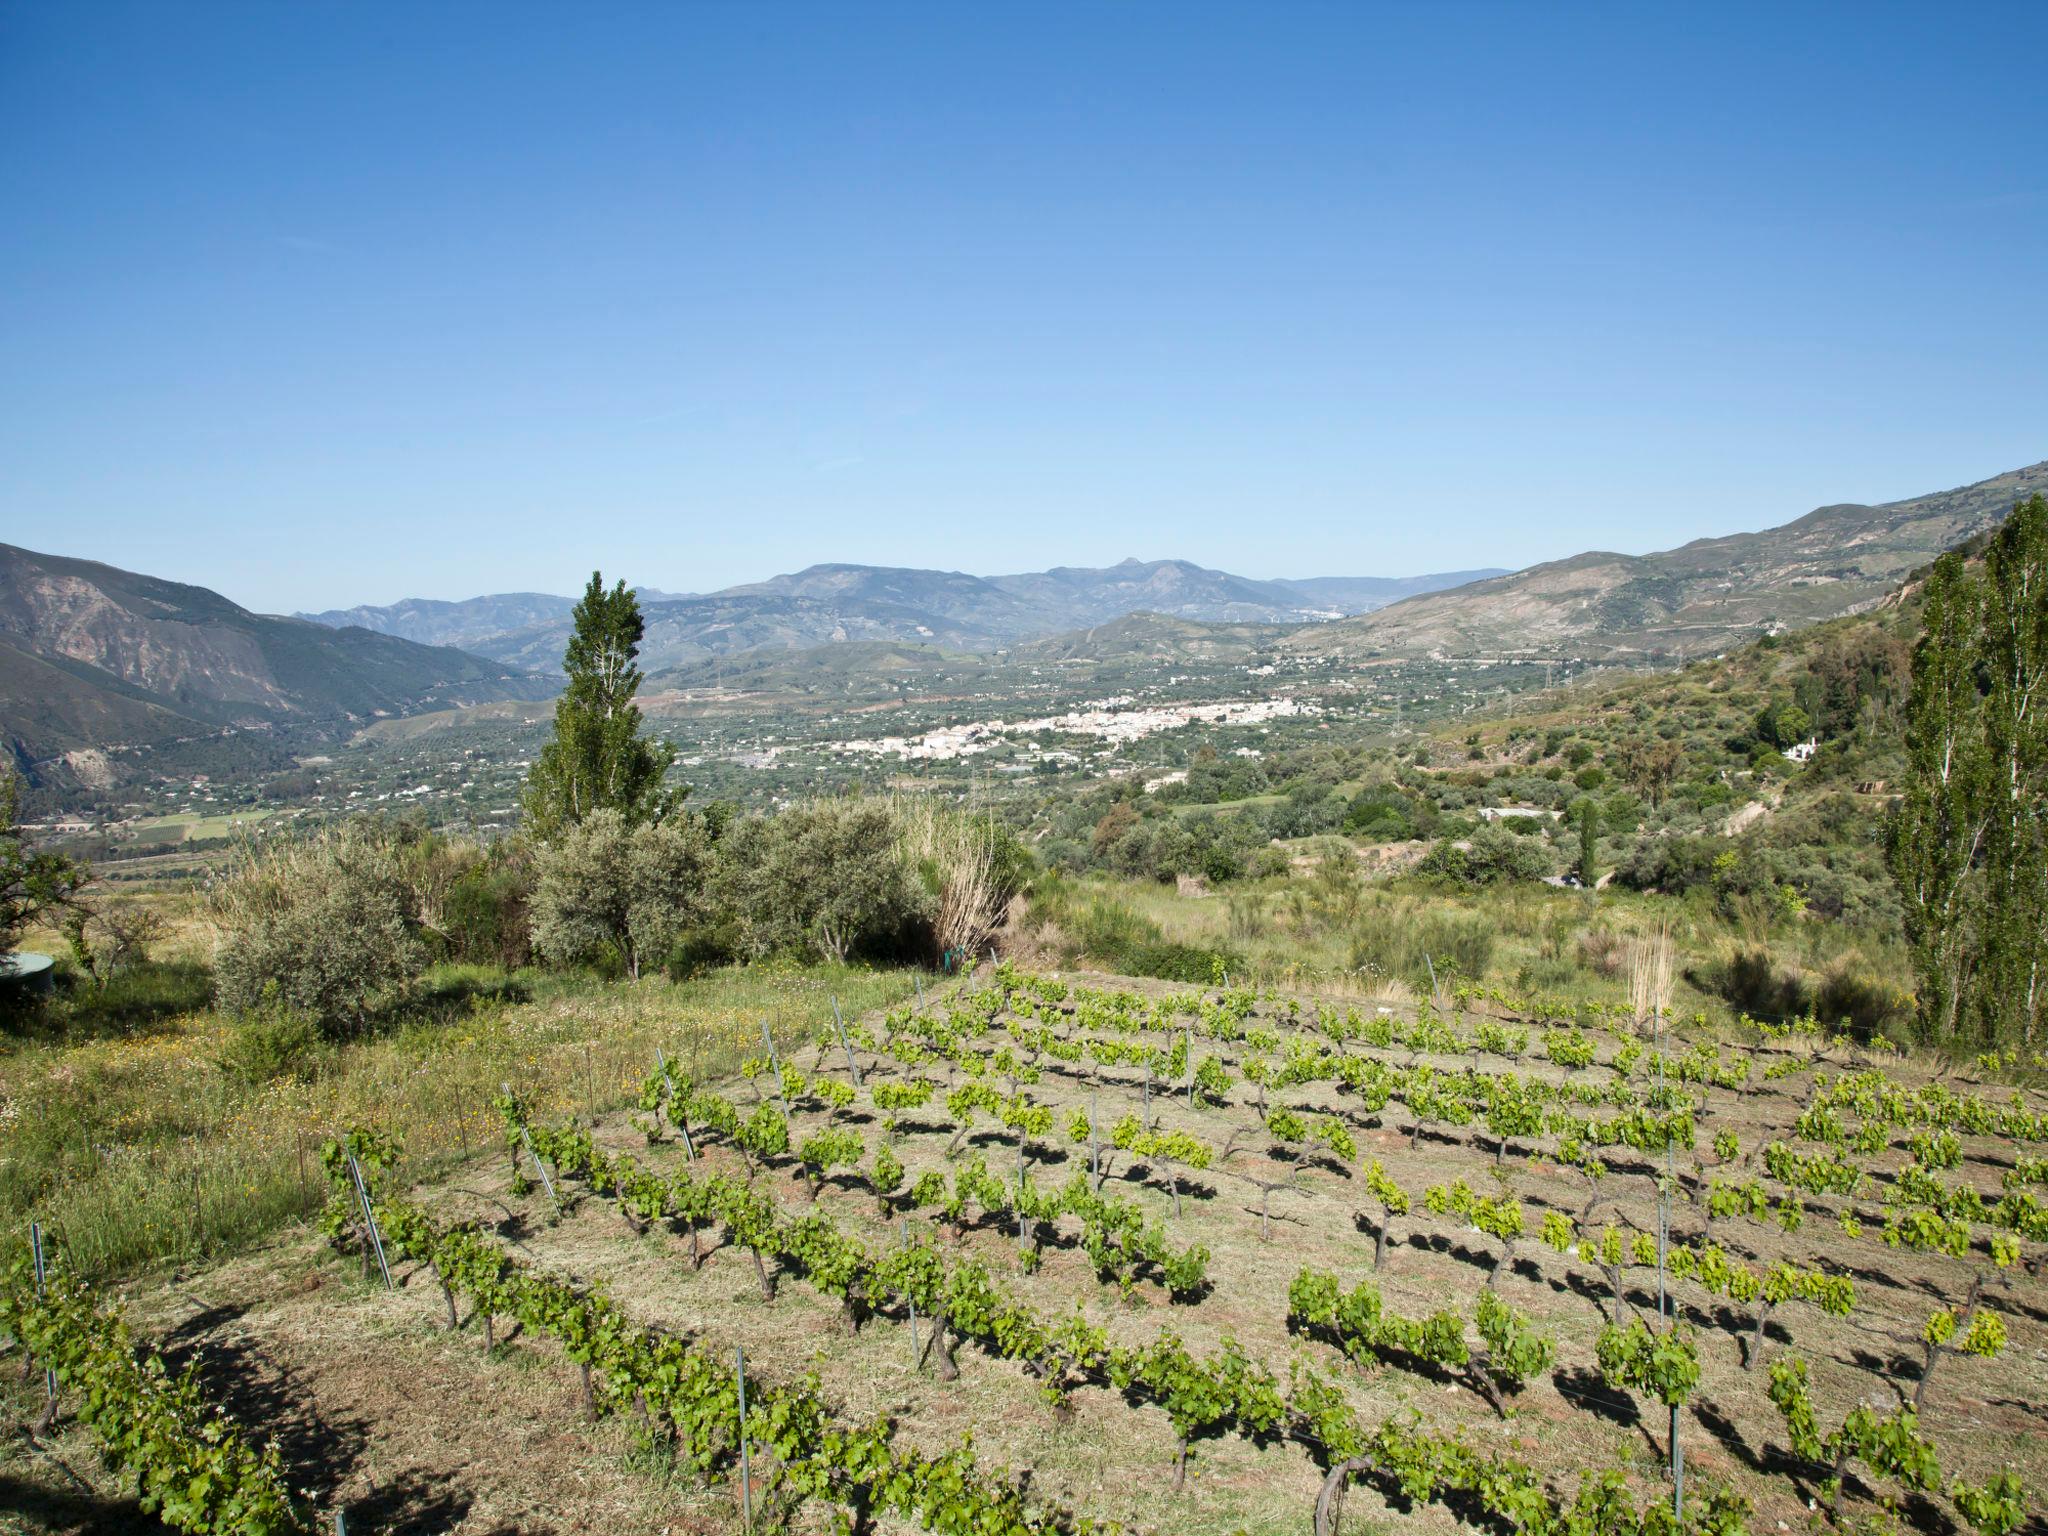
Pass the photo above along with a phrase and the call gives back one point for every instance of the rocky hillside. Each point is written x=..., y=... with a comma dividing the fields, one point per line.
x=97, y=659
x=1692, y=601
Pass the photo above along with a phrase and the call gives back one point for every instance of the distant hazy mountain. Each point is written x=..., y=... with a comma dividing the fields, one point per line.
x=1182, y=590
x=845, y=669
x=853, y=671
x=1080, y=596
x=826, y=604
x=95, y=658
x=1157, y=637
x=948, y=594
x=678, y=633
x=1702, y=598
x=433, y=622
x=1364, y=594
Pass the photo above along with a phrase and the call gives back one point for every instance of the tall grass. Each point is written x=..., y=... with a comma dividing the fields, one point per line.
x=167, y=1147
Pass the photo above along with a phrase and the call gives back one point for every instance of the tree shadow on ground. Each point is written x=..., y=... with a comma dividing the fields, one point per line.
x=139, y=999
x=1771, y=1460
x=323, y=1452
x=79, y=1513
x=449, y=993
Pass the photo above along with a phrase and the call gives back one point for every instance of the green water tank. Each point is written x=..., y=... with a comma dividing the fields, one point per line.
x=28, y=972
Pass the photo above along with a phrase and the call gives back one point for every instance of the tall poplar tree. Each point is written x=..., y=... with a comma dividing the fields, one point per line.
x=2015, y=667
x=1968, y=845
x=1937, y=833
x=597, y=759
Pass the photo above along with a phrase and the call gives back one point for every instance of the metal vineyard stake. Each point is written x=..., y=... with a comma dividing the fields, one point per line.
x=840, y=1024
x=746, y=1458
x=540, y=1166
x=35, y=1240
x=370, y=1220
x=911, y=1301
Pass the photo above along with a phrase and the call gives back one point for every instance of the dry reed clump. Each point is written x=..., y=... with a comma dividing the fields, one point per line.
x=1391, y=993
x=1649, y=978
x=955, y=857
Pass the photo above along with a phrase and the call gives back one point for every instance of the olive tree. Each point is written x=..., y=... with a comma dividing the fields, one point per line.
x=319, y=925
x=830, y=876
x=606, y=886
x=33, y=882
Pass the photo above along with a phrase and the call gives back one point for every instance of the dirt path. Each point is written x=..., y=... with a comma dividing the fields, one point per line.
x=1745, y=818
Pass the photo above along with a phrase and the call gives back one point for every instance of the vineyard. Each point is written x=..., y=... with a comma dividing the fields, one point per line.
x=1043, y=1255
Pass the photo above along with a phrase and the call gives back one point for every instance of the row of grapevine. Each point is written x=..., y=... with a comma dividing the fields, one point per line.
x=692, y=1395
x=1357, y=1322
x=193, y=1467
x=1115, y=1233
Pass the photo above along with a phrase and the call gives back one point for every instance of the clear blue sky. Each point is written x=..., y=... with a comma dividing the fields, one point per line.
x=333, y=304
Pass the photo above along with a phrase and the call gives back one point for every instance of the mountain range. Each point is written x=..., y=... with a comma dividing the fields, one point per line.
x=833, y=604
x=849, y=668
x=106, y=674
x=1692, y=601
x=95, y=660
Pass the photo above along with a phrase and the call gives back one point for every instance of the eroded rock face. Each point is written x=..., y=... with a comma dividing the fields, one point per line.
x=95, y=660
x=149, y=643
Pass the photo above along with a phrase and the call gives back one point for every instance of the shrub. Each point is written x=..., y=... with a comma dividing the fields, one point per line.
x=1383, y=816
x=1842, y=997
x=1752, y=981
x=485, y=912
x=1490, y=856
x=1601, y=952
x=1112, y=935
x=1263, y=863
x=268, y=1042
x=1864, y=1006
x=318, y=926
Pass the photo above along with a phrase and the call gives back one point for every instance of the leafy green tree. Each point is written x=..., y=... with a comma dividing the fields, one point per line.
x=322, y=926
x=1491, y=856
x=33, y=883
x=1650, y=767
x=1783, y=724
x=597, y=758
x=830, y=875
